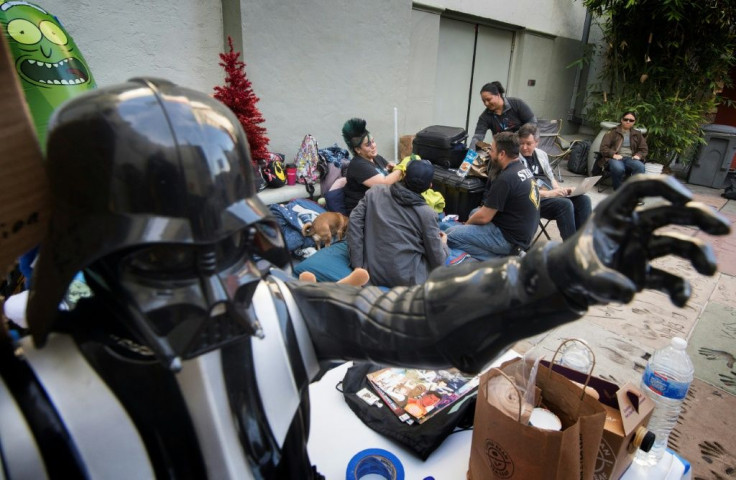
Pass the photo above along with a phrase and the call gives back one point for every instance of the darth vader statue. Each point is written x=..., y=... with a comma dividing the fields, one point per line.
x=193, y=356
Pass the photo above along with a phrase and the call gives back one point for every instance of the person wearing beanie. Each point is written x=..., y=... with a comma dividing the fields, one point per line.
x=366, y=168
x=394, y=234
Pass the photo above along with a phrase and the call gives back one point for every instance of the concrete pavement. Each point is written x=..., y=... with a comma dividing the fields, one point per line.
x=624, y=336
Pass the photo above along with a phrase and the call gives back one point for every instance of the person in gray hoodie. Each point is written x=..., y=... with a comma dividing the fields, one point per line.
x=394, y=234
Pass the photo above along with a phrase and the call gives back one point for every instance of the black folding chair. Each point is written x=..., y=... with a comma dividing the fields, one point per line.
x=543, y=223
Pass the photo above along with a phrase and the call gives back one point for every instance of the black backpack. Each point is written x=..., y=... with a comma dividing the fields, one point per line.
x=577, y=161
x=420, y=439
x=272, y=170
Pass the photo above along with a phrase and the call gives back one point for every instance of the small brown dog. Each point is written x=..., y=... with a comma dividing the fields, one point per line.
x=325, y=226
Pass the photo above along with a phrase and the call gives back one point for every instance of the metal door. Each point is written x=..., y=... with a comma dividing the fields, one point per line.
x=465, y=62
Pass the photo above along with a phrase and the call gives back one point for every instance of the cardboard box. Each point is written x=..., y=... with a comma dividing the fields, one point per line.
x=24, y=195
x=616, y=452
x=627, y=409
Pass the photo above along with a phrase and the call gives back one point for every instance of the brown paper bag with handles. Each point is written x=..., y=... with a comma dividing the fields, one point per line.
x=503, y=448
x=479, y=168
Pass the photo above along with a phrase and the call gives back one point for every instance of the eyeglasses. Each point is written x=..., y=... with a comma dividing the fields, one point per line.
x=369, y=142
x=629, y=120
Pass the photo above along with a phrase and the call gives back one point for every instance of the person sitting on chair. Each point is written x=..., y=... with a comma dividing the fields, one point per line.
x=569, y=212
x=394, y=234
x=624, y=149
x=505, y=222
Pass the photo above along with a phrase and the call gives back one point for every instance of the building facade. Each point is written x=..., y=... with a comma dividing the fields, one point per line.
x=399, y=64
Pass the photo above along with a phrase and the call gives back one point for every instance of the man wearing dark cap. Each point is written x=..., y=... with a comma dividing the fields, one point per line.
x=394, y=234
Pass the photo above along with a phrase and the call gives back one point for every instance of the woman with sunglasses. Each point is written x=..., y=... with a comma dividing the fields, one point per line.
x=367, y=167
x=624, y=149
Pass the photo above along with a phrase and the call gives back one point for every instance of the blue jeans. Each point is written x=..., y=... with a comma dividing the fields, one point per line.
x=568, y=212
x=625, y=166
x=480, y=241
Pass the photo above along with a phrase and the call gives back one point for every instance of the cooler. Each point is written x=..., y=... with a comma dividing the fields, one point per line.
x=441, y=145
x=461, y=194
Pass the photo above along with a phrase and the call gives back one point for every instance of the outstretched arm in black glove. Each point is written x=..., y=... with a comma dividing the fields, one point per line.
x=467, y=315
x=608, y=260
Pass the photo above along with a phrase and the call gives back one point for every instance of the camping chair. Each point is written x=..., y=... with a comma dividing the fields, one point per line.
x=543, y=223
x=551, y=142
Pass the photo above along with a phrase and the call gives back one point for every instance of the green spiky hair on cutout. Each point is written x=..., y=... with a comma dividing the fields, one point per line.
x=354, y=132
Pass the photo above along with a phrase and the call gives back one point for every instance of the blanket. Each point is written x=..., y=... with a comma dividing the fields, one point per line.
x=292, y=216
x=333, y=263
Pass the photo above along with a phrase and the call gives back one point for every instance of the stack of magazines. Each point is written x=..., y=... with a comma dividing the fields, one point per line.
x=417, y=395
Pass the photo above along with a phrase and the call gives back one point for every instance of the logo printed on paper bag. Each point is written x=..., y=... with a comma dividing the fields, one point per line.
x=8, y=230
x=604, y=462
x=499, y=460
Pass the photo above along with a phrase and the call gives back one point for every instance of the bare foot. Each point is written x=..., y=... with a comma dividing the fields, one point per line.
x=307, y=277
x=358, y=278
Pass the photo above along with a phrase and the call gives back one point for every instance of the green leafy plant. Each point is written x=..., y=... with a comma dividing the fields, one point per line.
x=665, y=60
x=673, y=124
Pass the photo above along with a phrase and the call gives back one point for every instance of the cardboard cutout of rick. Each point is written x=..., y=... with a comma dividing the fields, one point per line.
x=48, y=63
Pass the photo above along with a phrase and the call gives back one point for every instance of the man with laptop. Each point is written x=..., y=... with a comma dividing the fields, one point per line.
x=570, y=209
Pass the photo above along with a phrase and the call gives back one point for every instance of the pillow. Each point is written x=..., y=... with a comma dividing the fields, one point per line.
x=328, y=264
x=335, y=201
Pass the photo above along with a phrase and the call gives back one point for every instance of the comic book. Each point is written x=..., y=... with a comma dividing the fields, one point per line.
x=417, y=395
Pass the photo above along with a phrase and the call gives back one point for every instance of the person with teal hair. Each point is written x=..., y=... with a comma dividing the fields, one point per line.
x=367, y=168
x=50, y=66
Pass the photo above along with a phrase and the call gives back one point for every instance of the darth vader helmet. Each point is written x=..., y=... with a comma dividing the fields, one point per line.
x=154, y=200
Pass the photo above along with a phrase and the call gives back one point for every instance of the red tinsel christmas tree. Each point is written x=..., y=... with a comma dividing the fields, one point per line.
x=238, y=95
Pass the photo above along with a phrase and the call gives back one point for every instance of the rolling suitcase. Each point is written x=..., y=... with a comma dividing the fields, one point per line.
x=441, y=145
x=462, y=195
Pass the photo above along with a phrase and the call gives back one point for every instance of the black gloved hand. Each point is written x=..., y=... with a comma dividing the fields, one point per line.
x=608, y=259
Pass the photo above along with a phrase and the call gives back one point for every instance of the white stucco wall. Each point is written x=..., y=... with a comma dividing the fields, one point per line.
x=314, y=67
x=316, y=63
x=176, y=40
x=422, y=73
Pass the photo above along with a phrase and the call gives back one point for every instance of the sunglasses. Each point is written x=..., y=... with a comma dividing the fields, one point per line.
x=369, y=142
x=629, y=120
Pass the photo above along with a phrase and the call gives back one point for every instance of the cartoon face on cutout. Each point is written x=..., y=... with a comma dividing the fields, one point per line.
x=49, y=64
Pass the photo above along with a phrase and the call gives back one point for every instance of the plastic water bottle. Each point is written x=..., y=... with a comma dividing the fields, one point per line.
x=576, y=355
x=665, y=381
x=464, y=167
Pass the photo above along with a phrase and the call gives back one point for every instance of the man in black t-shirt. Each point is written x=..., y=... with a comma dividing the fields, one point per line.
x=509, y=214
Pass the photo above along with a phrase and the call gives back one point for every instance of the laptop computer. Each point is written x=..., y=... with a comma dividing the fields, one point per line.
x=585, y=185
